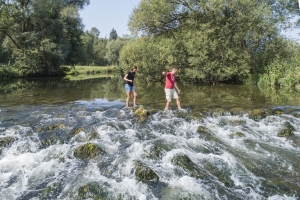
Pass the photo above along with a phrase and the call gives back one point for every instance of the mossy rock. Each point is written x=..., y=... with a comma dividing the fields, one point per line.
x=183, y=161
x=144, y=173
x=238, y=111
x=50, y=192
x=237, y=135
x=219, y=112
x=92, y=191
x=158, y=149
x=78, y=131
x=238, y=122
x=6, y=141
x=202, y=129
x=88, y=151
x=142, y=114
x=257, y=114
x=50, y=139
x=223, y=176
x=277, y=112
x=287, y=130
x=51, y=127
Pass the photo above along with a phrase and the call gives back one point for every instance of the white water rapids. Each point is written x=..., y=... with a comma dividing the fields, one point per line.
x=39, y=162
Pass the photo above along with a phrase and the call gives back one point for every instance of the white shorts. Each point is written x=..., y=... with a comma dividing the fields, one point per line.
x=171, y=94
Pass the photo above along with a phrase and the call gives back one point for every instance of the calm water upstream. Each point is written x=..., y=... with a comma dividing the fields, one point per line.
x=224, y=144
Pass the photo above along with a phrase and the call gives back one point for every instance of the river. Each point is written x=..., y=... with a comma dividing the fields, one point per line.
x=229, y=141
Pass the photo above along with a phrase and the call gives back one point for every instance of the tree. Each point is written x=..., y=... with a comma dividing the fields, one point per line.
x=113, y=49
x=113, y=34
x=42, y=35
x=221, y=40
x=94, y=31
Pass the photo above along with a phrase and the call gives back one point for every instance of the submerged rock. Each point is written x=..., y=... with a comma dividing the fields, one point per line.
x=88, y=151
x=287, y=130
x=144, y=173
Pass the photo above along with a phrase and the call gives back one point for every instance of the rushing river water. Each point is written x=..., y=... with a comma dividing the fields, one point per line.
x=224, y=144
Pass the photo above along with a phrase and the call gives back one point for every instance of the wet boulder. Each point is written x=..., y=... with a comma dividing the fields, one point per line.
x=51, y=127
x=239, y=111
x=88, y=151
x=78, y=130
x=92, y=191
x=237, y=135
x=6, y=141
x=219, y=112
x=142, y=113
x=222, y=175
x=258, y=114
x=158, y=149
x=183, y=161
x=287, y=130
x=202, y=129
x=144, y=173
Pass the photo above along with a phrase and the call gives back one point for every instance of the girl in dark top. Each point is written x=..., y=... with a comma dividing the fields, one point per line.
x=129, y=87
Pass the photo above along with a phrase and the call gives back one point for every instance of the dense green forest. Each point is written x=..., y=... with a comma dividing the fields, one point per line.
x=232, y=41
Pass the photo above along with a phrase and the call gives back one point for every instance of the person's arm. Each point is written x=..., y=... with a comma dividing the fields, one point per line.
x=177, y=88
x=126, y=79
x=164, y=73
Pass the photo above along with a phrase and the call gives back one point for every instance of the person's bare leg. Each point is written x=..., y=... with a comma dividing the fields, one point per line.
x=127, y=99
x=134, y=98
x=168, y=106
x=178, y=103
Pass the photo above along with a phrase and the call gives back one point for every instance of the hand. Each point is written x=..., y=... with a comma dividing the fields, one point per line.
x=178, y=91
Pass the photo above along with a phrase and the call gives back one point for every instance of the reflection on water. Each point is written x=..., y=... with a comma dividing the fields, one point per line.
x=53, y=91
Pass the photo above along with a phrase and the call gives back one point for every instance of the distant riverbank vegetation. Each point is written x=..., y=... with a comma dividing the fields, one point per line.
x=216, y=41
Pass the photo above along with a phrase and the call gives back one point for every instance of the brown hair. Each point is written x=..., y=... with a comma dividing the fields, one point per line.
x=133, y=67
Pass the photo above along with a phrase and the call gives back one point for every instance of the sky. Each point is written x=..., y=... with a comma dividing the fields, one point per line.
x=108, y=14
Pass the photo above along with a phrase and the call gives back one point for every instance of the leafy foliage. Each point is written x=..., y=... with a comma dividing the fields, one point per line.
x=218, y=41
x=41, y=35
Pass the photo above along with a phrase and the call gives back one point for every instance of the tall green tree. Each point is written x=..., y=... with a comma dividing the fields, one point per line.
x=113, y=49
x=221, y=40
x=113, y=35
x=42, y=34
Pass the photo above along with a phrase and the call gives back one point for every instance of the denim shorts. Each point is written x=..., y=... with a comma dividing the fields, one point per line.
x=129, y=88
